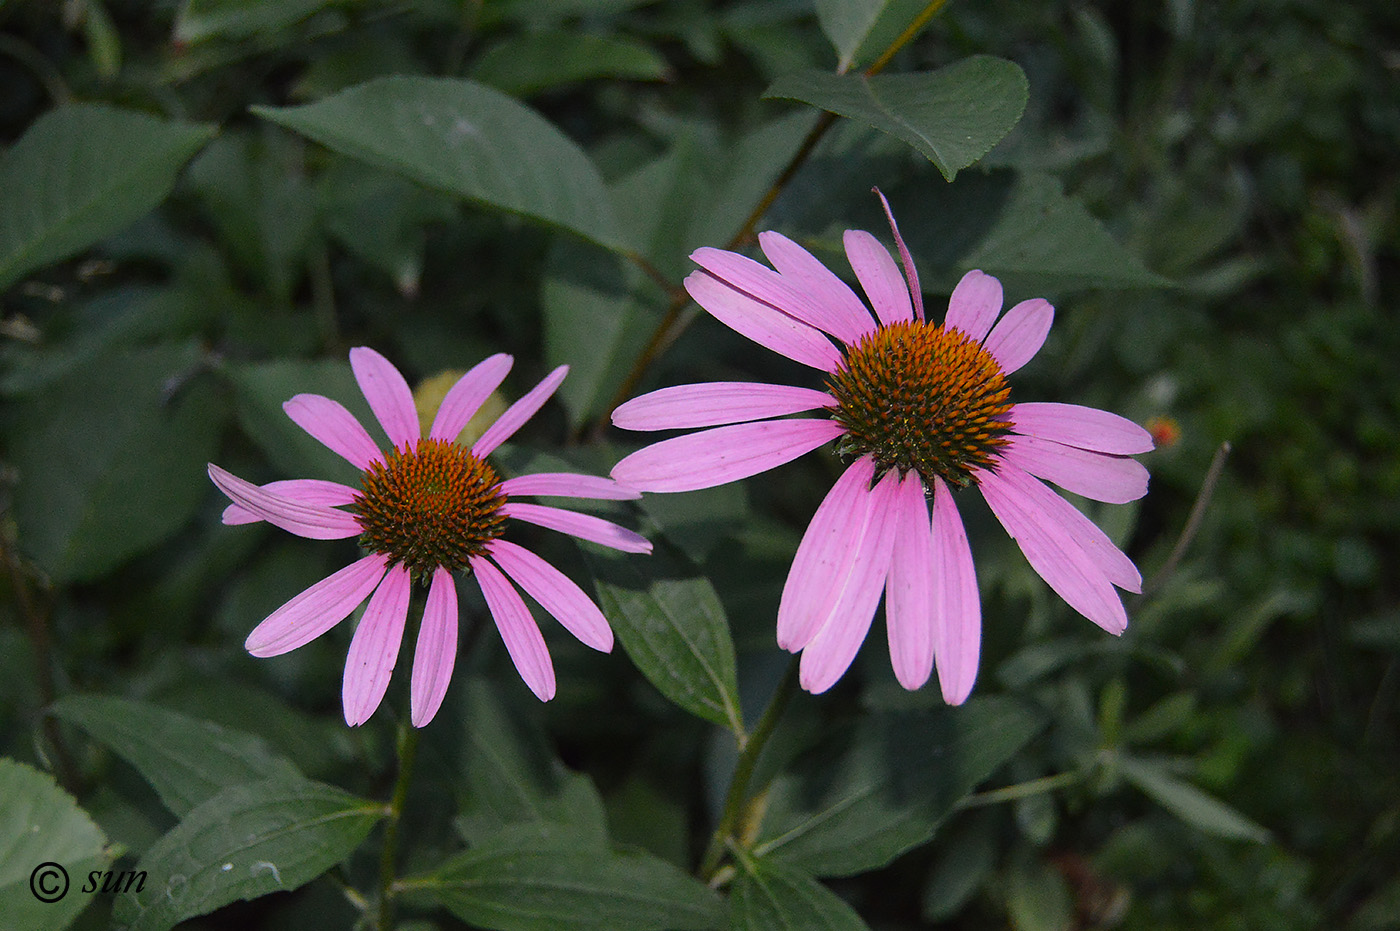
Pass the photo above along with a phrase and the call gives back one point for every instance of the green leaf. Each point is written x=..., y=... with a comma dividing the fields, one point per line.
x=525, y=64
x=953, y=115
x=1037, y=898
x=201, y=20
x=466, y=139
x=111, y=458
x=674, y=628
x=81, y=173
x=185, y=760
x=847, y=23
x=521, y=883
x=898, y=777
x=1189, y=803
x=42, y=824
x=247, y=841
x=511, y=777
x=769, y=895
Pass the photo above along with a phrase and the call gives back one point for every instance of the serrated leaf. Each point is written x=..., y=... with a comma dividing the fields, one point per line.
x=111, y=458
x=769, y=895
x=466, y=139
x=1189, y=803
x=898, y=776
x=531, y=62
x=42, y=824
x=184, y=759
x=672, y=625
x=524, y=883
x=953, y=115
x=247, y=841
x=81, y=173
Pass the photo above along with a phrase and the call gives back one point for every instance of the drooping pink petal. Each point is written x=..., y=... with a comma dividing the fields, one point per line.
x=518, y=413
x=518, y=629
x=762, y=324
x=909, y=588
x=1115, y=479
x=436, y=651
x=1055, y=554
x=388, y=395
x=824, y=556
x=374, y=650
x=1020, y=333
x=1084, y=427
x=329, y=422
x=465, y=397
x=849, y=318
x=763, y=284
x=1091, y=539
x=974, y=306
x=313, y=521
x=315, y=491
x=827, y=657
x=911, y=274
x=568, y=485
x=583, y=526
x=555, y=592
x=721, y=402
x=722, y=454
x=957, y=605
x=318, y=609
x=879, y=277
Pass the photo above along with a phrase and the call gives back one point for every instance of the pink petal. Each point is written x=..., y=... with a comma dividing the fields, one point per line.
x=583, y=526
x=337, y=428
x=1084, y=427
x=824, y=557
x=769, y=328
x=465, y=398
x=315, y=491
x=763, y=284
x=848, y=318
x=436, y=651
x=723, y=454
x=879, y=276
x=313, y=521
x=1055, y=554
x=1115, y=479
x=555, y=592
x=957, y=605
x=568, y=485
x=717, y=402
x=1117, y=567
x=911, y=274
x=974, y=306
x=375, y=647
x=1018, y=336
x=908, y=590
x=518, y=629
x=518, y=413
x=318, y=609
x=827, y=657
x=388, y=395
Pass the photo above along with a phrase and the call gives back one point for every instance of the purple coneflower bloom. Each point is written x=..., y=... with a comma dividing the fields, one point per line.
x=921, y=409
x=427, y=508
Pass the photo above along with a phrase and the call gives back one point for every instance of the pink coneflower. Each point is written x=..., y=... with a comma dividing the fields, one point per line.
x=922, y=409
x=424, y=510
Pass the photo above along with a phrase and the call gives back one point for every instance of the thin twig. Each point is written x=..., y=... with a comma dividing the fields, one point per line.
x=1193, y=522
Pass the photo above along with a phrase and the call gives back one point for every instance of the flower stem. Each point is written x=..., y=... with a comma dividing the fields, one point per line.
x=739, y=817
x=389, y=854
x=1193, y=522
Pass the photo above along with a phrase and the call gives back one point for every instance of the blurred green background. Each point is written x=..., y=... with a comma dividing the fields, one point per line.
x=1246, y=152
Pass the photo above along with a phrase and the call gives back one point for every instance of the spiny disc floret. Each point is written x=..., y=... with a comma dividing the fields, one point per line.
x=432, y=505
x=916, y=395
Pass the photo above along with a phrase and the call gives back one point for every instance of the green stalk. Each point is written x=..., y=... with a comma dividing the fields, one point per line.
x=407, y=746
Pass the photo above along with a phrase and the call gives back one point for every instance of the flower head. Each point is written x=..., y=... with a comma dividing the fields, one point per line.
x=424, y=510
x=918, y=409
